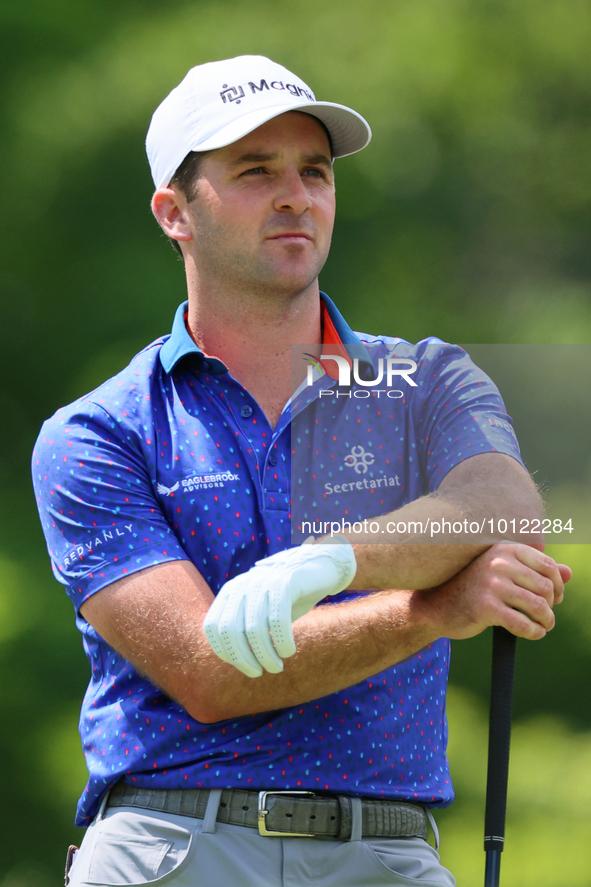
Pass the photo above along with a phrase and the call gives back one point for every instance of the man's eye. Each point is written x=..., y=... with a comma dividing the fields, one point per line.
x=316, y=173
x=256, y=170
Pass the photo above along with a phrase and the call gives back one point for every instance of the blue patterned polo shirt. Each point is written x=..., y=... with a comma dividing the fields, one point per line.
x=173, y=459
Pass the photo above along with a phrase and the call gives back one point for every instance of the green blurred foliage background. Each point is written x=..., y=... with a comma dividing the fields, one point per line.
x=468, y=217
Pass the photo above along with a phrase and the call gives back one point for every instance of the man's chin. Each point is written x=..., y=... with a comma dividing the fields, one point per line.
x=290, y=287
x=291, y=280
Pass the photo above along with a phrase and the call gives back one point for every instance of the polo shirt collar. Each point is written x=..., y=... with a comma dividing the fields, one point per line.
x=180, y=344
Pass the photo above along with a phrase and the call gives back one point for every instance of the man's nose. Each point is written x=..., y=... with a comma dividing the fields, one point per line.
x=292, y=194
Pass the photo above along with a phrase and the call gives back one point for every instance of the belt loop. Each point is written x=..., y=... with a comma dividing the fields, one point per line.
x=101, y=810
x=433, y=825
x=211, y=811
x=345, y=811
x=356, y=819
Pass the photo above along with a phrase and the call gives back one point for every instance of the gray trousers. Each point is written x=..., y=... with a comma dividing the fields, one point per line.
x=126, y=846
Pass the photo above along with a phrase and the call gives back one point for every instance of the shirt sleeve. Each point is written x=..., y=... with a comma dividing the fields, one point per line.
x=96, y=502
x=462, y=413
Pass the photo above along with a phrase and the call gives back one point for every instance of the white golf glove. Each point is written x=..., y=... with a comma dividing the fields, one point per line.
x=249, y=623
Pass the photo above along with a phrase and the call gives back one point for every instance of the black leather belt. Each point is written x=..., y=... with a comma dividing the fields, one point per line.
x=283, y=813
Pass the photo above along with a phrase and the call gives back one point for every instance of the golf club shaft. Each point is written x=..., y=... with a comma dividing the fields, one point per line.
x=499, y=742
x=492, y=871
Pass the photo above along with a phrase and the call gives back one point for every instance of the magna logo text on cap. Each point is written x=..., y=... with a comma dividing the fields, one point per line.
x=236, y=93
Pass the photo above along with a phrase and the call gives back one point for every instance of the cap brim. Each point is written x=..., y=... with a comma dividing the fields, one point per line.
x=349, y=131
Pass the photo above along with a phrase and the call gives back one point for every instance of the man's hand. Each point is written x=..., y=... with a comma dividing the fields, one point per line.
x=513, y=585
x=249, y=623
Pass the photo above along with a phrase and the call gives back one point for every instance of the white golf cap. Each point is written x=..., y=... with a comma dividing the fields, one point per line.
x=220, y=102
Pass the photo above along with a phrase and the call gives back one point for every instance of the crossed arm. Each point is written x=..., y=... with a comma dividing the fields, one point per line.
x=154, y=618
x=485, y=488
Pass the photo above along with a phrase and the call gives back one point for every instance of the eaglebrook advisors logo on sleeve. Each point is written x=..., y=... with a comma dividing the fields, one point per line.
x=388, y=368
x=198, y=482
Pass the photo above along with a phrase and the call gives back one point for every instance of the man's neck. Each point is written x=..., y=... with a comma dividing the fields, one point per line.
x=253, y=335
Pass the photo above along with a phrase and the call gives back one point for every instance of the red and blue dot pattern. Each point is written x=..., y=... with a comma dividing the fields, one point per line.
x=173, y=459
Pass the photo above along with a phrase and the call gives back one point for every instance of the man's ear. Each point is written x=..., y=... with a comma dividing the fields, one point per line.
x=169, y=207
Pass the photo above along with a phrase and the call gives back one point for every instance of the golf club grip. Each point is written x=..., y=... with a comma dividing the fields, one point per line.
x=499, y=737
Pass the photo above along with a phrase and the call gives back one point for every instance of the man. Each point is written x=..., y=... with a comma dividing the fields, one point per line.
x=170, y=483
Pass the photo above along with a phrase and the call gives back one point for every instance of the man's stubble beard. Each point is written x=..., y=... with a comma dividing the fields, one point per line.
x=244, y=274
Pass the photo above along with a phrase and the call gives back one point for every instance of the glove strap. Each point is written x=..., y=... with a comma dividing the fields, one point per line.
x=341, y=554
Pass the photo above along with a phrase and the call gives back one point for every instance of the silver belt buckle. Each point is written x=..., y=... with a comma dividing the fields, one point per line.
x=262, y=812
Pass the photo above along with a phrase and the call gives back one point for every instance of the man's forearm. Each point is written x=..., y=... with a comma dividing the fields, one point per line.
x=154, y=618
x=338, y=645
x=487, y=491
x=412, y=559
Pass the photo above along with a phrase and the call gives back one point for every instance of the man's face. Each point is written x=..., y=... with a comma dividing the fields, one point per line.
x=263, y=213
